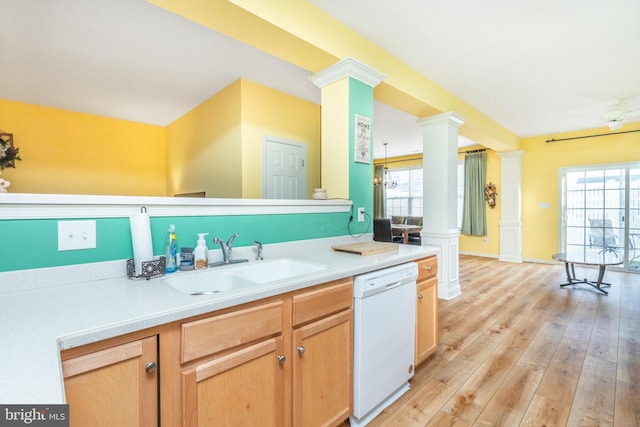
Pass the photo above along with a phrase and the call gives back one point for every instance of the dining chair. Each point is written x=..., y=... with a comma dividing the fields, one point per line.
x=414, y=238
x=382, y=230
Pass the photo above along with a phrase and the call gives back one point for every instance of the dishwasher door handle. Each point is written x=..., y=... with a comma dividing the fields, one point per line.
x=394, y=285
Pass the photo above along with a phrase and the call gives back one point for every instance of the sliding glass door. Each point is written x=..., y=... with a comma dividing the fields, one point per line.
x=601, y=211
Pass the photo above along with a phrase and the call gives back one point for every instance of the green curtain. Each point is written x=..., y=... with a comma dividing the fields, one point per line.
x=474, y=219
x=379, y=196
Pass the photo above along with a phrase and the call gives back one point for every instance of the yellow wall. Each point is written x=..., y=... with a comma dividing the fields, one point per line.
x=65, y=152
x=268, y=112
x=217, y=146
x=204, y=148
x=540, y=179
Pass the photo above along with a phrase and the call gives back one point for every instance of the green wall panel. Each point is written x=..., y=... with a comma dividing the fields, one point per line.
x=360, y=174
x=33, y=243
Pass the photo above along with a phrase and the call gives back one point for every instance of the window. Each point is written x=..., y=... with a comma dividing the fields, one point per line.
x=601, y=211
x=406, y=198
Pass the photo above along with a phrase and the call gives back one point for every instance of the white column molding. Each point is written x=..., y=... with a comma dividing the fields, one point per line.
x=440, y=174
x=511, y=206
x=348, y=67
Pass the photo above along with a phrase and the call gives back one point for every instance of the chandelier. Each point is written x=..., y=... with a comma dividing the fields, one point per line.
x=388, y=181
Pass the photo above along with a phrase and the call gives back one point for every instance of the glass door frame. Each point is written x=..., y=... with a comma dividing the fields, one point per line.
x=626, y=220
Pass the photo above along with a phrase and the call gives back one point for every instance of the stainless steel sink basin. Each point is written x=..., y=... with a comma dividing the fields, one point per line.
x=236, y=276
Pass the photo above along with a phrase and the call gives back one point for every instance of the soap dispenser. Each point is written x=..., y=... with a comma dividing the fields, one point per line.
x=171, y=250
x=201, y=254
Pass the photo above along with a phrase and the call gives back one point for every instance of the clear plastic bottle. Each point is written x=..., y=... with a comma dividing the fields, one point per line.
x=171, y=250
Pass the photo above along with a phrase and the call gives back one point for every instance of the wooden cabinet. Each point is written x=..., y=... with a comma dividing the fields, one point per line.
x=426, y=309
x=239, y=377
x=244, y=388
x=323, y=356
x=287, y=362
x=116, y=386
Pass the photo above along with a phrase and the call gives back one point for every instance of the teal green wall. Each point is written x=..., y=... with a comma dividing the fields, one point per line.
x=360, y=174
x=34, y=243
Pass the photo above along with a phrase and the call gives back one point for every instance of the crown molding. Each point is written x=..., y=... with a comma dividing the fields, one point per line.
x=347, y=67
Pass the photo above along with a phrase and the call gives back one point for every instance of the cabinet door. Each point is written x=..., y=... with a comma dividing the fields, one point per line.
x=323, y=371
x=243, y=388
x=426, y=319
x=112, y=387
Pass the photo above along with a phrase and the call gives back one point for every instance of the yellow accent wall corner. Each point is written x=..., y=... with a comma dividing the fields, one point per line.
x=66, y=152
x=217, y=147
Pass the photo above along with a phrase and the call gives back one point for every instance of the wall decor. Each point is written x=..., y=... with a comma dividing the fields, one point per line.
x=362, y=144
x=490, y=194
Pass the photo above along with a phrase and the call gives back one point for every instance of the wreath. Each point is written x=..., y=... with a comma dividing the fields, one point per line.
x=8, y=153
x=490, y=194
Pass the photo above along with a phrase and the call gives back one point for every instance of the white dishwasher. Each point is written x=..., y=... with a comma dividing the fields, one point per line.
x=384, y=338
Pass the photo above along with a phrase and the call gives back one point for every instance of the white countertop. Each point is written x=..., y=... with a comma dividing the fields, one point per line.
x=44, y=312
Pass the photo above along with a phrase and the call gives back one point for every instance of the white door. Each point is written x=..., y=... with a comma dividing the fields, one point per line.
x=284, y=169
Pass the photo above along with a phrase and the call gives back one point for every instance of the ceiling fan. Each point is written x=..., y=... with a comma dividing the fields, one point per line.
x=618, y=114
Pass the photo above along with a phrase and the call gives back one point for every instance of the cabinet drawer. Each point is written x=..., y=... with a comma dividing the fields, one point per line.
x=217, y=333
x=427, y=267
x=333, y=297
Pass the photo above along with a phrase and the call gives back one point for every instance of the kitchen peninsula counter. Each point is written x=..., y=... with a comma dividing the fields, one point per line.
x=48, y=310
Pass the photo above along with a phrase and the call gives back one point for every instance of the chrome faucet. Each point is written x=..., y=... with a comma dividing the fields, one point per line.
x=226, y=247
x=258, y=246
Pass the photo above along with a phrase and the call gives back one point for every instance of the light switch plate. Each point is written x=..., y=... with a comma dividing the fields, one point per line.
x=73, y=235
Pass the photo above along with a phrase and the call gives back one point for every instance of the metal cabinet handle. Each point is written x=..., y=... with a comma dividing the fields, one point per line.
x=300, y=349
x=150, y=367
x=281, y=359
x=430, y=268
x=420, y=296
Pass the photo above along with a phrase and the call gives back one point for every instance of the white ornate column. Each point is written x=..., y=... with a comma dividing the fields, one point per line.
x=510, y=199
x=440, y=175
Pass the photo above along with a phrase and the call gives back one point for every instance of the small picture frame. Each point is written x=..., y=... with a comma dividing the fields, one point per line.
x=362, y=143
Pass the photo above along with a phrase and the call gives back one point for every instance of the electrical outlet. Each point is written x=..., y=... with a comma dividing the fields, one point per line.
x=73, y=235
x=360, y=214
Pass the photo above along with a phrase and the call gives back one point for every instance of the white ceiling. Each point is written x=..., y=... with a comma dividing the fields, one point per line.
x=535, y=67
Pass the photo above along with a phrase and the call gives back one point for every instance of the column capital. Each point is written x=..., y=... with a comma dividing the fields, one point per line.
x=347, y=67
x=448, y=117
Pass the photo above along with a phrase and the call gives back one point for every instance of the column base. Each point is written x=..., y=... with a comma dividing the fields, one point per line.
x=511, y=242
x=448, y=261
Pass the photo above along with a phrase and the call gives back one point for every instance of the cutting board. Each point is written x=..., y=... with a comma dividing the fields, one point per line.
x=366, y=248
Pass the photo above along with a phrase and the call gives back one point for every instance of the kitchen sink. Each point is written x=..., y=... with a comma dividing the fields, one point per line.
x=237, y=276
x=207, y=282
x=278, y=269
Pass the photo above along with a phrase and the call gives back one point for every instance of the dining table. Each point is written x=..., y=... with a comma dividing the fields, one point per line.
x=405, y=230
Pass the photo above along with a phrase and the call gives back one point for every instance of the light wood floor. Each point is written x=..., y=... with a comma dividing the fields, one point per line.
x=515, y=349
